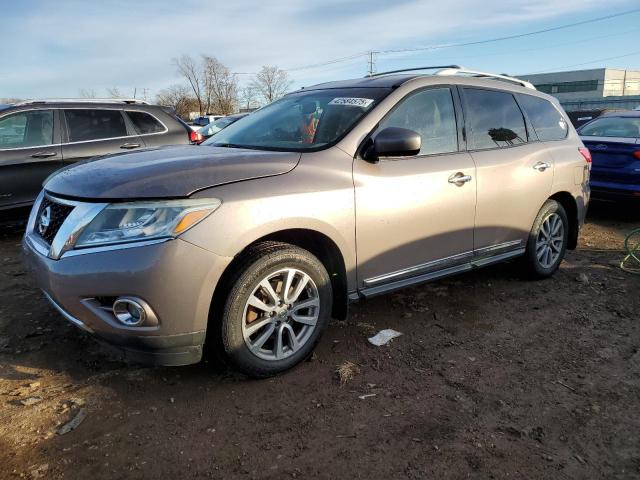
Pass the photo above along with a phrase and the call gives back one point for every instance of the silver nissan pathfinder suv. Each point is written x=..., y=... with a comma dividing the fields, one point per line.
x=251, y=241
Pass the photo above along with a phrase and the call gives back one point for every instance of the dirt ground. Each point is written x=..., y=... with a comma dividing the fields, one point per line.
x=494, y=377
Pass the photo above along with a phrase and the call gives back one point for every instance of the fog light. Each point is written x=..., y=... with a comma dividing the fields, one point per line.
x=129, y=312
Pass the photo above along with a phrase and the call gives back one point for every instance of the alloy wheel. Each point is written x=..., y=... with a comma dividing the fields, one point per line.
x=281, y=314
x=550, y=240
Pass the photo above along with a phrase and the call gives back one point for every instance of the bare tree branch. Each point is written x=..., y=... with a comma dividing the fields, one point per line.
x=221, y=85
x=271, y=83
x=114, y=92
x=87, y=93
x=248, y=98
x=189, y=70
x=178, y=97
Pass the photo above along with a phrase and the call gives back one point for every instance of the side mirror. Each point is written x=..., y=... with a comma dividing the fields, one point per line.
x=393, y=142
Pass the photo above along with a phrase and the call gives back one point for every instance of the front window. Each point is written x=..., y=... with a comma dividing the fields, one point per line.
x=33, y=128
x=301, y=121
x=626, y=127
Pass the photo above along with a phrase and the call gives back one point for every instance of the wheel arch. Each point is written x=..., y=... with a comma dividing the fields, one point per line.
x=317, y=243
x=570, y=206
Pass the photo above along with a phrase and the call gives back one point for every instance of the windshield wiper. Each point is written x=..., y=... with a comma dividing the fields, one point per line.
x=228, y=145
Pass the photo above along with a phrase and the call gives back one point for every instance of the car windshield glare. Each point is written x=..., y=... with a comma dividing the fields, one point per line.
x=625, y=127
x=302, y=121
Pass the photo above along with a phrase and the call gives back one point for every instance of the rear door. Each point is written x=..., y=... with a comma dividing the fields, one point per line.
x=514, y=173
x=29, y=152
x=92, y=132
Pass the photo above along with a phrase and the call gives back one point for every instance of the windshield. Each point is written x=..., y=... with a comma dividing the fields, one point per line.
x=627, y=127
x=215, y=127
x=301, y=121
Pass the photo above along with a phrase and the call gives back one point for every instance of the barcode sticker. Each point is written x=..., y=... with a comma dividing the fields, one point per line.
x=352, y=102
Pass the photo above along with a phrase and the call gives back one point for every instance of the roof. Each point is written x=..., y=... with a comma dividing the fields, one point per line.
x=626, y=113
x=395, y=78
x=385, y=81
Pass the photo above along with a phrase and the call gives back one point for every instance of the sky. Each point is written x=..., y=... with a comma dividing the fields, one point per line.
x=57, y=48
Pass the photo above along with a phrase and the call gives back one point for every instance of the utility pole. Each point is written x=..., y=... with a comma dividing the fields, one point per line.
x=372, y=62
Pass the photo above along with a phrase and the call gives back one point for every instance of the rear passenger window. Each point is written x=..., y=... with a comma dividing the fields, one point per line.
x=145, y=123
x=494, y=118
x=547, y=121
x=431, y=114
x=85, y=124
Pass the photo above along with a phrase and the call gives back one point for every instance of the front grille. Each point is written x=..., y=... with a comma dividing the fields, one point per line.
x=48, y=224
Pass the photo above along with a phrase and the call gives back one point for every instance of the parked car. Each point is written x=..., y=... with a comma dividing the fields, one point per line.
x=249, y=241
x=39, y=137
x=205, y=120
x=217, y=125
x=614, y=142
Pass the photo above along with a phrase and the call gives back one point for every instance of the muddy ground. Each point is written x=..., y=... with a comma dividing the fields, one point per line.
x=494, y=377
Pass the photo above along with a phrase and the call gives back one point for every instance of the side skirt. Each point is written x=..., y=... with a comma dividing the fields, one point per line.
x=479, y=262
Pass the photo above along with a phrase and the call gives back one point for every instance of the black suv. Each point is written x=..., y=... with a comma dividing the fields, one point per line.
x=40, y=137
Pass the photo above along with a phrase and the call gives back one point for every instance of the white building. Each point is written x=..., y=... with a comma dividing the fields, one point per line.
x=599, y=88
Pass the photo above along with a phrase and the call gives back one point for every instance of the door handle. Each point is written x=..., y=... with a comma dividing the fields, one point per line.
x=541, y=166
x=459, y=179
x=44, y=154
x=129, y=146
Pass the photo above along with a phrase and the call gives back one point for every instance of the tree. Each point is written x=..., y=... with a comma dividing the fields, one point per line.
x=248, y=98
x=213, y=85
x=188, y=68
x=221, y=86
x=271, y=83
x=114, y=92
x=179, y=98
x=87, y=93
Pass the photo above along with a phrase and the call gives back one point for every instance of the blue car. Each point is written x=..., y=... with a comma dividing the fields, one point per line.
x=614, y=142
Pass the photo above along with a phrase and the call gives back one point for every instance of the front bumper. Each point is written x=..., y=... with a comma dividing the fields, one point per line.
x=175, y=278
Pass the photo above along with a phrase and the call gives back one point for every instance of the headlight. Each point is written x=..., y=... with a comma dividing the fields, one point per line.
x=135, y=221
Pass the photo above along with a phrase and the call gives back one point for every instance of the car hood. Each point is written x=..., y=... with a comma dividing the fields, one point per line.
x=166, y=172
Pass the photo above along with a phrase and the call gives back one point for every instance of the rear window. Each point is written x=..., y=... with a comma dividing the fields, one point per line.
x=546, y=120
x=145, y=123
x=494, y=118
x=627, y=127
x=85, y=124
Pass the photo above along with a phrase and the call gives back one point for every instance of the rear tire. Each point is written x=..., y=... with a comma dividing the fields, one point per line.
x=265, y=327
x=547, y=243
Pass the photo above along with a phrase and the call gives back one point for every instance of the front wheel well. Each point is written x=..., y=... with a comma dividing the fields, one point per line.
x=314, y=242
x=571, y=208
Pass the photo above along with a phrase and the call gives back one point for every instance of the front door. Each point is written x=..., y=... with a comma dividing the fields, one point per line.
x=413, y=216
x=29, y=152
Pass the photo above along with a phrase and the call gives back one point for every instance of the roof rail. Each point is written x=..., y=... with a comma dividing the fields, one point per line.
x=464, y=71
x=126, y=101
x=437, y=67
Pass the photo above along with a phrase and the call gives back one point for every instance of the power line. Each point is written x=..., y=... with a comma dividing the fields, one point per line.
x=511, y=37
x=328, y=62
x=588, y=63
x=461, y=44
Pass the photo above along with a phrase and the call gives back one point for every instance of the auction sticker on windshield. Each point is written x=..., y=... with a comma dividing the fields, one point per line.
x=352, y=102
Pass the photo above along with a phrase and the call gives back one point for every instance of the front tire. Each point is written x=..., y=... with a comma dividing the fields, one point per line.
x=276, y=309
x=547, y=243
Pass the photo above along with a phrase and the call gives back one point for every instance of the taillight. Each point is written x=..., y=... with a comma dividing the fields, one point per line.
x=586, y=154
x=636, y=154
x=195, y=137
